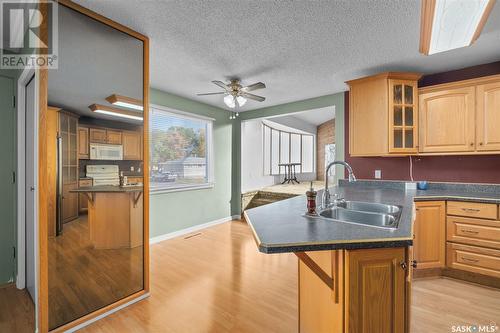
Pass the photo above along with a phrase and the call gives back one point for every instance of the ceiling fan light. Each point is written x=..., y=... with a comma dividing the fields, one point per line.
x=241, y=100
x=229, y=101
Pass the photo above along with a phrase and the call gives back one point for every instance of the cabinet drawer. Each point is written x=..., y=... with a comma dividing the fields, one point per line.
x=472, y=209
x=473, y=259
x=473, y=231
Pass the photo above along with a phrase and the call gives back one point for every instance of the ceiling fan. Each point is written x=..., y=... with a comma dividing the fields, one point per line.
x=236, y=94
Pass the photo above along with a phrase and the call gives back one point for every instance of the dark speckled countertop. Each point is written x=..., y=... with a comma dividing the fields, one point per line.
x=282, y=226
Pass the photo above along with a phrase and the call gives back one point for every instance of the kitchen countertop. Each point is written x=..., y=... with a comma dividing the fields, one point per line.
x=108, y=189
x=282, y=226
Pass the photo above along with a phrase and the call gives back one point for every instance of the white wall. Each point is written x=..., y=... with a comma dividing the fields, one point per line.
x=252, y=161
x=296, y=123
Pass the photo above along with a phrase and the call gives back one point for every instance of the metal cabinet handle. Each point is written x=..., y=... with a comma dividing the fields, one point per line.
x=473, y=210
x=469, y=231
x=403, y=265
x=469, y=259
x=414, y=264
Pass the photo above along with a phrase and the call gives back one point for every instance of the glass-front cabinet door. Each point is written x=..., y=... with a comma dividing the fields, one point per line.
x=403, y=116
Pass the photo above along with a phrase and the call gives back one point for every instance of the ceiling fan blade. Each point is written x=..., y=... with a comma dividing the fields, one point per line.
x=255, y=86
x=214, y=93
x=221, y=84
x=252, y=96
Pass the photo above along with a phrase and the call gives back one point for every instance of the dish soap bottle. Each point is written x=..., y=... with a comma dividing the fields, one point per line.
x=311, y=201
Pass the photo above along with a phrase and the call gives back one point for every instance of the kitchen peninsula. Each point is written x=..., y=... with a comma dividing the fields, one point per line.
x=115, y=215
x=357, y=278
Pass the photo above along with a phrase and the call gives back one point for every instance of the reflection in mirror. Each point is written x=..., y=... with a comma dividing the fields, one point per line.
x=95, y=117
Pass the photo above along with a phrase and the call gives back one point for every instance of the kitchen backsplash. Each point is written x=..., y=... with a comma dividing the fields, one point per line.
x=123, y=166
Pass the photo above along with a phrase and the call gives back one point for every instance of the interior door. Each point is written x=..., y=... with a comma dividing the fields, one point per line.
x=30, y=187
x=7, y=222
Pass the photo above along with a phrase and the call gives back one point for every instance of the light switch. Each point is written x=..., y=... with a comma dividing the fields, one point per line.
x=378, y=174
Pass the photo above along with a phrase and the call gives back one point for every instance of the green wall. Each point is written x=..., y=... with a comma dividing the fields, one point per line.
x=299, y=106
x=174, y=211
x=8, y=202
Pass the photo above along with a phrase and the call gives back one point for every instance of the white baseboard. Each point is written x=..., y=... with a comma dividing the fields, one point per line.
x=236, y=217
x=189, y=230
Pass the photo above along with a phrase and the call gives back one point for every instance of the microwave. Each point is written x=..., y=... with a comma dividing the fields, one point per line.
x=106, y=152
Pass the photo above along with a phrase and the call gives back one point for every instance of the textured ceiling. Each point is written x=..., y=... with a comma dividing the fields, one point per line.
x=300, y=49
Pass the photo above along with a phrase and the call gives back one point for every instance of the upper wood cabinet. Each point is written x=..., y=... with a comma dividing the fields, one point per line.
x=447, y=120
x=132, y=145
x=113, y=137
x=98, y=135
x=382, y=117
x=403, y=116
x=83, y=143
x=488, y=117
x=430, y=234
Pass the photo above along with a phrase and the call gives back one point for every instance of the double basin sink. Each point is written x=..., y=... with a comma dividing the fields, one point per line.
x=364, y=213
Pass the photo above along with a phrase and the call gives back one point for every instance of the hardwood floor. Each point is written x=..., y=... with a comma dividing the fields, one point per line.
x=216, y=281
x=439, y=303
x=17, y=310
x=83, y=279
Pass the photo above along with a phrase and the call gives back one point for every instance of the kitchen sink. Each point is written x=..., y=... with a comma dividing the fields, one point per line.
x=370, y=207
x=364, y=213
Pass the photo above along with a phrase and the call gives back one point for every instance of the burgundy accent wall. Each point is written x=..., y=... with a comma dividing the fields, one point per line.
x=464, y=169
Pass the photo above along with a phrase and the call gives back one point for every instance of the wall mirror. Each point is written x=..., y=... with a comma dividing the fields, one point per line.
x=96, y=162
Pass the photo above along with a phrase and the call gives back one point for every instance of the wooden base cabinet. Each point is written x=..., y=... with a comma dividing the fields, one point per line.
x=352, y=291
x=429, y=235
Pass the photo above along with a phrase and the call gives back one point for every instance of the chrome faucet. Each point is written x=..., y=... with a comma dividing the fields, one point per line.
x=326, y=200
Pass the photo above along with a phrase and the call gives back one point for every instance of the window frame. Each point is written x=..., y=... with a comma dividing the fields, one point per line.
x=210, y=183
x=290, y=133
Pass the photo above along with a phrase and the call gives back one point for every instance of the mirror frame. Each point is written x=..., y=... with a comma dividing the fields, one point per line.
x=42, y=78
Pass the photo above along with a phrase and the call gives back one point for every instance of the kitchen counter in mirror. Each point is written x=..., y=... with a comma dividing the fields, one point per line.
x=115, y=215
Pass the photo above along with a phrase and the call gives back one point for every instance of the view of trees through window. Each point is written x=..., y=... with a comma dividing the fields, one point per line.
x=178, y=148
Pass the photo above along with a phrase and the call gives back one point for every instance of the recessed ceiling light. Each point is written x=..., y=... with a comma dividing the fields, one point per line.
x=452, y=24
x=126, y=102
x=97, y=108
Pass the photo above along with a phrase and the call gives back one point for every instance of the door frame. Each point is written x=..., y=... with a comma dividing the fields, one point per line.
x=42, y=210
x=23, y=80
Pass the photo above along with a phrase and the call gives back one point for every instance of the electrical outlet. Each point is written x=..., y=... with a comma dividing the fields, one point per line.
x=378, y=174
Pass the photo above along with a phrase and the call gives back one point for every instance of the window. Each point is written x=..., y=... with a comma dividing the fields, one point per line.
x=180, y=150
x=286, y=146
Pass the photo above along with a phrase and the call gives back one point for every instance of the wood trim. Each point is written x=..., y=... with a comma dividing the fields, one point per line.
x=42, y=77
x=119, y=98
x=482, y=22
x=388, y=75
x=145, y=159
x=100, y=18
x=316, y=269
x=43, y=185
x=426, y=19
